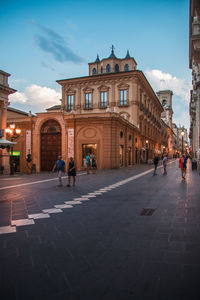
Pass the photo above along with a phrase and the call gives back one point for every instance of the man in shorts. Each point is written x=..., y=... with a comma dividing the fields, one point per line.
x=60, y=167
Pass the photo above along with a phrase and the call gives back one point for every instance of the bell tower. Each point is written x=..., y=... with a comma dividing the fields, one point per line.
x=165, y=98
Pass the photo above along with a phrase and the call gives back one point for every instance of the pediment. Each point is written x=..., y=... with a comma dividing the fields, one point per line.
x=88, y=89
x=70, y=91
x=123, y=86
x=103, y=88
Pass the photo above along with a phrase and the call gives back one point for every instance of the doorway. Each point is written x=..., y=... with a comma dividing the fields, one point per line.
x=50, y=144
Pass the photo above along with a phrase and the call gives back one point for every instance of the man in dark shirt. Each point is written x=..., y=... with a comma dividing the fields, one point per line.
x=155, y=161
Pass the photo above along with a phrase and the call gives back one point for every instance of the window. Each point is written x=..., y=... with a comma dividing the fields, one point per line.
x=101, y=70
x=70, y=102
x=88, y=149
x=103, y=100
x=141, y=97
x=94, y=71
x=123, y=97
x=108, y=68
x=88, y=100
x=116, y=68
x=126, y=67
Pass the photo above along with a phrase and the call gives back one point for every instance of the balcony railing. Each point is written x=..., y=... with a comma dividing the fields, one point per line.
x=123, y=103
x=103, y=105
x=70, y=107
x=88, y=107
x=196, y=28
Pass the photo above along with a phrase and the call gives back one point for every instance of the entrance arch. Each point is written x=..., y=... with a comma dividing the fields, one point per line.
x=50, y=144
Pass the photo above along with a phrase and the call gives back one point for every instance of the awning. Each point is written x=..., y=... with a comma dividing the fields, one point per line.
x=6, y=143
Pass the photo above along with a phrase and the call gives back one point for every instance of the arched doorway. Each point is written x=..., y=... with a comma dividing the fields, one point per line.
x=50, y=144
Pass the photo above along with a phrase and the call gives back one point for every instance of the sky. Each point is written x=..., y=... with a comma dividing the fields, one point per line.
x=43, y=41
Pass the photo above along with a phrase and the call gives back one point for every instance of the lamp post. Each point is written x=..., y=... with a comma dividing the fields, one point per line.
x=147, y=142
x=13, y=132
x=182, y=134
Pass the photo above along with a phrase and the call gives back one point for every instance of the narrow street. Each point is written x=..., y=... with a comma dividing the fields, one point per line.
x=119, y=234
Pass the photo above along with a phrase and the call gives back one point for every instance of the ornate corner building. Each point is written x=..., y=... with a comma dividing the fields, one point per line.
x=194, y=64
x=5, y=91
x=112, y=113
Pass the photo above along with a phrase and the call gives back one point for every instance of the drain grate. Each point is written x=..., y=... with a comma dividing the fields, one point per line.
x=147, y=212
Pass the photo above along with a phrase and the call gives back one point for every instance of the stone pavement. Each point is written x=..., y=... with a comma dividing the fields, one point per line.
x=130, y=235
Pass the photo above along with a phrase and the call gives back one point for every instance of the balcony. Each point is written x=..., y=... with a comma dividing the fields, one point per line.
x=103, y=105
x=196, y=28
x=69, y=107
x=123, y=103
x=88, y=107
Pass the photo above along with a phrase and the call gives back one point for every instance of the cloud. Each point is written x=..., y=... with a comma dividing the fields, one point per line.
x=37, y=97
x=51, y=42
x=165, y=81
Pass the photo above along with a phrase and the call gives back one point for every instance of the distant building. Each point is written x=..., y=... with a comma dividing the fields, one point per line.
x=194, y=64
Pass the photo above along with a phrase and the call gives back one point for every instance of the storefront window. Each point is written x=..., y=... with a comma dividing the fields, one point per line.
x=88, y=149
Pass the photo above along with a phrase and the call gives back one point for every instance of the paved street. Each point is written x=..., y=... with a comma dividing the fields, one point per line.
x=119, y=234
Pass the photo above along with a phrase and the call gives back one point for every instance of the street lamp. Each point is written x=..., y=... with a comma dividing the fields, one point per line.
x=182, y=134
x=147, y=151
x=13, y=132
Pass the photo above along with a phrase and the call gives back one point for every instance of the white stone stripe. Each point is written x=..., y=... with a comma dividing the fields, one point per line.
x=61, y=206
x=52, y=210
x=7, y=229
x=72, y=202
x=81, y=199
x=22, y=222
x=34, y=182
x=39, y=216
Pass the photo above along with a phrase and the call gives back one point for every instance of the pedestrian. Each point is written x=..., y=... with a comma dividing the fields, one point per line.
x=88, y=162
x=164, y=164
x=183, y=165
x=94, y=164
x=60, y=167
x=155, y=161
x=71, y=172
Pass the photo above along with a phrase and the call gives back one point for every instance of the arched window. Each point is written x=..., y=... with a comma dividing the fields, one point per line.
x=164, y=103
x=108, y=68
x=94, y=71
x=126, y=67
x=116, y=68
x=101, y=70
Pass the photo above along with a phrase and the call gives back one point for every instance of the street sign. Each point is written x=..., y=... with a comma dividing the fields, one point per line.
x=14, y=153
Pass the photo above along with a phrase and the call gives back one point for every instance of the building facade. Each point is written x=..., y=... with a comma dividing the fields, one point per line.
x=165, y=98
x=5, y=91
x=194, y=64
x=112, y=113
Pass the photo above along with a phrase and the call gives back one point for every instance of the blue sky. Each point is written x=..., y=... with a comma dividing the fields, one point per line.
x=43, y=41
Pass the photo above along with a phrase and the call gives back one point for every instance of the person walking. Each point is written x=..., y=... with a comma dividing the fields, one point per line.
x=71, y=172
x=94, y=164
x=183, y=165
x=165, y=164
x=60, y=167
x=155, y=161
x=88, y=162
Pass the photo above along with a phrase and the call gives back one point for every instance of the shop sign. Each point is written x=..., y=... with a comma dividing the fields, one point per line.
x=28, y=142
x=70, y=142
x=14, y=153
